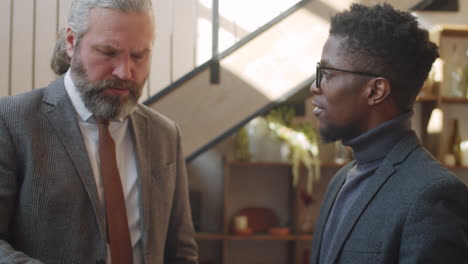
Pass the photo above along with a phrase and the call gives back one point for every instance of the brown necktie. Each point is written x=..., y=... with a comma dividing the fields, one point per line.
x=118, y=234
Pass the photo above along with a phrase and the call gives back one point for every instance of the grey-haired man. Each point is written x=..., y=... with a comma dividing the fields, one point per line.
x=55, y=201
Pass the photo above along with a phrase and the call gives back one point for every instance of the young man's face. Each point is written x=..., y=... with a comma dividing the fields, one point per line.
x=111, y=62
x=340, y=103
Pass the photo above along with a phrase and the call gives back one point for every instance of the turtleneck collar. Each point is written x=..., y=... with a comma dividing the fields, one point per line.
x=376, y=143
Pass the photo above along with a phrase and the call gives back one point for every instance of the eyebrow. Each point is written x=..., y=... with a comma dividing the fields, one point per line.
x=325, y=63
x=113, y=48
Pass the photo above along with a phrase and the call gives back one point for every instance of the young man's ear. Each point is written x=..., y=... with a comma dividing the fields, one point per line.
x=70, y=40
x=379, y=90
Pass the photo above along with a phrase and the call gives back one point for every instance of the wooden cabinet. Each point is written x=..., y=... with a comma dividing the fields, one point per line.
x=452, y=108
x=265, y=185
x=450, y=38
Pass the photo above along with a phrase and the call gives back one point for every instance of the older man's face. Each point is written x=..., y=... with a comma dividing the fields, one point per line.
x=111, y=62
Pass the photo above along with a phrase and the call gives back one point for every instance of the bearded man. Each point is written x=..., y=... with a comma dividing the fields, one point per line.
x=88, y=175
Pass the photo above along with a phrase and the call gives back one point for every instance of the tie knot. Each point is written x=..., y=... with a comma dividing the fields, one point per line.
x=102, y=121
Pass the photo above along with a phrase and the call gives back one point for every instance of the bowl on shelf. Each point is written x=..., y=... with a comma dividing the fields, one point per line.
x=243, y=232
x=258, y=219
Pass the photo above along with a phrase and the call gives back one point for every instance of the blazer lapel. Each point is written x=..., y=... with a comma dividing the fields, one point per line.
x=139, y=128
x=325, y=210
x=385, y=170
x=61, y=115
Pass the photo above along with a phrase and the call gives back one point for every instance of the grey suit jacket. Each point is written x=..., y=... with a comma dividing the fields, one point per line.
x=49, y=209
x=413, y=210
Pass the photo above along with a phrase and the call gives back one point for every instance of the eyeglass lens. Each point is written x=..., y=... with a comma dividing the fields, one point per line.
x=318, y=76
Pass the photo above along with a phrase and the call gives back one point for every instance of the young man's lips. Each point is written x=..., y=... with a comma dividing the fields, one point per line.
x=317, y=110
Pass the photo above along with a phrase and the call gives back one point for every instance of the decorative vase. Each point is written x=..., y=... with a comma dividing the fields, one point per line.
x=264, y=144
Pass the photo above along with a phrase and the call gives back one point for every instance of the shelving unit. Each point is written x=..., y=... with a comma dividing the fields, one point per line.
x=208, y=236
x=453, y=107
x=269, y=186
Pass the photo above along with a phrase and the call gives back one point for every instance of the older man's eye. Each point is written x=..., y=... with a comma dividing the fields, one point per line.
x=107, y=53
x=137, y=56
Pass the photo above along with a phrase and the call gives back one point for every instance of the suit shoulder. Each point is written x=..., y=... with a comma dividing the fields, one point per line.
x=421, y=170
x=422, y=160
x=25, y=100
x=157, y=118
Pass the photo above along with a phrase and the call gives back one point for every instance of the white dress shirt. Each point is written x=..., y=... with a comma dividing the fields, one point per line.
x=126, y=163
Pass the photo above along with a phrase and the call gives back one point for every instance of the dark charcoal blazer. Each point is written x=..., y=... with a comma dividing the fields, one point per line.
x=413, y=210
x=49, y=208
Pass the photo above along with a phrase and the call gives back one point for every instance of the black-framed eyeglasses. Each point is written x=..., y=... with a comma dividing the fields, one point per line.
x=320, y=68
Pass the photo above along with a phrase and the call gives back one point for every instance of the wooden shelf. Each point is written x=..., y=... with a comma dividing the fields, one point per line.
x=263, y=237
x=209, y=236
x=448, y=30
x=423, y=99
x=456, y=167
x=260, y=237
x=454, y=100
x=304, y=237
x=448, y=100
x=323, y=165
x=276, y=164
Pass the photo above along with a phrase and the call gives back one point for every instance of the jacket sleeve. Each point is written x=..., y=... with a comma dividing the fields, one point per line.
x=8, y=193
x=436, y=228
x=180, y=244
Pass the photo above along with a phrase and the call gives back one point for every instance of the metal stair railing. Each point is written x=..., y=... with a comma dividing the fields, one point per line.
x=213, y=63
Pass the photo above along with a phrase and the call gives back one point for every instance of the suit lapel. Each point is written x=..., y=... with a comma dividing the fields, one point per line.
x=385, y=170
x=358, y=207
x=325, y=210
x=61, y=115
x=139, y=128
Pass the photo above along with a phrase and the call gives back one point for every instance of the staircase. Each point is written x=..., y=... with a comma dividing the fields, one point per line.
x=255, y=76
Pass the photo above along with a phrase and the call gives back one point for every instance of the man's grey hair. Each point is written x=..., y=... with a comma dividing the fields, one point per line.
x=60, y=61
x=79, y=11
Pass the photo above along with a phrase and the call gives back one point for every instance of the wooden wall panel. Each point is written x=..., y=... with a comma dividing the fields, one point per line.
x=183, y=42
x=22, y=46
x=5, y=29
x=63, y=10
x=45, y=35
x=160, y=76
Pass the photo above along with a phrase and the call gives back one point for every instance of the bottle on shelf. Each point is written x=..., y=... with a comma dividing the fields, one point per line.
x=465, y=73
x=342, y=153
x=453, y=156
x=454, y=74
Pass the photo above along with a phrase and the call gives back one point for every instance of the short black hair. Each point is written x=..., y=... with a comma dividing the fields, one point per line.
x=388, y=42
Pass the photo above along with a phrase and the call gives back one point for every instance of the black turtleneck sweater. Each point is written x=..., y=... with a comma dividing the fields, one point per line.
x=369, y=150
